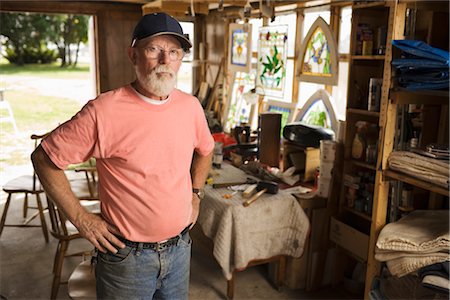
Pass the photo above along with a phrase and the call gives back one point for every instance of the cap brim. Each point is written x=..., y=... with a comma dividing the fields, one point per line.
x=185, y=43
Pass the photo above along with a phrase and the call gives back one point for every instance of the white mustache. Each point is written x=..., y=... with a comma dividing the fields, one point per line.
x=163, y=69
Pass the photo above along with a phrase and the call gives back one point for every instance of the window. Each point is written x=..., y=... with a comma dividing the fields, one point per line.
x=184, y=82
x=338, y=97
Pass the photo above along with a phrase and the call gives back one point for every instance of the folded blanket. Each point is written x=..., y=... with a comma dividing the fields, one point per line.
x=421, y=230
x=385, y=255
x=425, y=168
x=404, y=265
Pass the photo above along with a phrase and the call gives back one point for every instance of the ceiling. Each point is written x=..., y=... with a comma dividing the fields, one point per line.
x=206, y=6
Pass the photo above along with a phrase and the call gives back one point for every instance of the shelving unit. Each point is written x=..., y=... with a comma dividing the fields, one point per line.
x=377, y=18
x=436, y=129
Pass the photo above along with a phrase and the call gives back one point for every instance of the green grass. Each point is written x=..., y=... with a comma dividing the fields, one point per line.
x=33, y=112
x=45, y=71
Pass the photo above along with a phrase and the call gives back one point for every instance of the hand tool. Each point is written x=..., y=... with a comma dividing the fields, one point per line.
x=262, y=187
x=225, y=184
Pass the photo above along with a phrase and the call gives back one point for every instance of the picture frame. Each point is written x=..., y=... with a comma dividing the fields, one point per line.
x=272, y=59
x=240, y=48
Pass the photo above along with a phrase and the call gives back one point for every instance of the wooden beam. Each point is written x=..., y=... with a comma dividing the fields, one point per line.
x=176, y=7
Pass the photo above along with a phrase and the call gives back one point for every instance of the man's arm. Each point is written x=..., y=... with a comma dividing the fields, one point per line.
x=199, y=172
x=56, y=185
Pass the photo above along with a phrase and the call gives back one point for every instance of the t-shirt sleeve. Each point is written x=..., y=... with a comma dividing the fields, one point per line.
x=75, y=141
x=205, y=141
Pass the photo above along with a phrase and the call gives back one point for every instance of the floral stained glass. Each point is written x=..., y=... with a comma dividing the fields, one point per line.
x=272, y=56
x=319, y=59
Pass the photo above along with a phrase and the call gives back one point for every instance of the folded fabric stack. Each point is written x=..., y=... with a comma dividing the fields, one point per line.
x=418, y=240
x=421, y=66
x=422, y=167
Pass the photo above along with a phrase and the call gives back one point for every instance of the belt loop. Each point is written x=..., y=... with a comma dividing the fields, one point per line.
x=139, y=248
x=180, y=236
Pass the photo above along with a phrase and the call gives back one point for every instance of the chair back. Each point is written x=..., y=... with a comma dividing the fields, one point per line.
x=37, y=140
x=59, y=222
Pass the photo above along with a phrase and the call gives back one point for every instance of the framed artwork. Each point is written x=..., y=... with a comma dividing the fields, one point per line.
x=272, y=57
x=240, y=45
x=318, y=55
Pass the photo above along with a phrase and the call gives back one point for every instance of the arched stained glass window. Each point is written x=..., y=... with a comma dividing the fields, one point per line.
x=319, y=63
x=319, y=110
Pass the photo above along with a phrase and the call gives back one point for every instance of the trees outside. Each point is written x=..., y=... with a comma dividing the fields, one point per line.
x=28, y=37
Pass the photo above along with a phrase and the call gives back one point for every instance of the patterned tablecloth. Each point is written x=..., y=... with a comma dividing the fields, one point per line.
x=272, y=225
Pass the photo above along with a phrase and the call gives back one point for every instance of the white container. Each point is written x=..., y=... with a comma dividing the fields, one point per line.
x=327, y=150
x=326, y=168
x=323, y=188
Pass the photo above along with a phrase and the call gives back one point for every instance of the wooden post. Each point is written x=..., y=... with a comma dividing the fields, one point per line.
x=387, y=121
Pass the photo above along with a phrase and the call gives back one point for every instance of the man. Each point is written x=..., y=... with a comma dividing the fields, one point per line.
x=153, y=150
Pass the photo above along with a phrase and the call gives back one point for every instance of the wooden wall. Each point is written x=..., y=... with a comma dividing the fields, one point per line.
x=114, y=24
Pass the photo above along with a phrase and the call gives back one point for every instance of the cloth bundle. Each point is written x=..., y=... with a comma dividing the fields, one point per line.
x=425, y=168
x=418, y=240
x=422, y=66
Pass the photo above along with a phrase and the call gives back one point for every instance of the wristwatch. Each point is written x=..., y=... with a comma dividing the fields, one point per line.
x=199, y=192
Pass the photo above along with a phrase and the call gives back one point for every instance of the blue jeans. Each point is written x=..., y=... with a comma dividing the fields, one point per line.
x=145, y=273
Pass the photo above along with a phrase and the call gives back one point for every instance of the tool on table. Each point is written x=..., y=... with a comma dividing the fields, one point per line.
x=249, y=191
x=226, y=184
x=262, y=187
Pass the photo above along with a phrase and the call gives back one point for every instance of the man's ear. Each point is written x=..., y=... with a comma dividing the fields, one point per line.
x=132, y=54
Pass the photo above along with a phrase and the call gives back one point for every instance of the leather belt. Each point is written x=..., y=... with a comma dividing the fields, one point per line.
x=157, y=246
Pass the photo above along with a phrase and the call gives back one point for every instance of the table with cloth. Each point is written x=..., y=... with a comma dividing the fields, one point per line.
x=273, y=225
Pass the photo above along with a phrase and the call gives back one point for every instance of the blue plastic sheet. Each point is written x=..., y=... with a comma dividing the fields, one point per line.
x=422, y=66
x=421, y=49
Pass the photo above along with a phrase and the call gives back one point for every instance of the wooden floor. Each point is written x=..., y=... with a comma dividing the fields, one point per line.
x=26, y=269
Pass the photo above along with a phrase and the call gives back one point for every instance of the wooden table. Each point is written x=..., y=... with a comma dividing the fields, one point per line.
x=272, y=227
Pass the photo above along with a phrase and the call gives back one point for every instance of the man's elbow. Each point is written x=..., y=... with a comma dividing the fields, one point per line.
x=40, y=159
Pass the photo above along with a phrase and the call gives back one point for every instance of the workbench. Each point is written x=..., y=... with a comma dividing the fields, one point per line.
x=272, y=227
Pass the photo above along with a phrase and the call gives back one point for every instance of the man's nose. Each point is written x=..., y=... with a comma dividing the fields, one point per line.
x=163, y=57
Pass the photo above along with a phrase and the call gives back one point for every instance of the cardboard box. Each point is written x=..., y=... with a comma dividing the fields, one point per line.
x=349, y=238
x=305, y=160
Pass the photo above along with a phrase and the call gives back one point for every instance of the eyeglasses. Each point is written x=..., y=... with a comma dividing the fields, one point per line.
x=154, y=52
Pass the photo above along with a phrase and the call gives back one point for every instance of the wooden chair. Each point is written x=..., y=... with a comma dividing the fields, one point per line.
x=27, y=185
x=65, y=232
x=81, y=283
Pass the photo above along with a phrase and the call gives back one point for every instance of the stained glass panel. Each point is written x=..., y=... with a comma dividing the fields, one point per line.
x=317, y=57
x=272, y=56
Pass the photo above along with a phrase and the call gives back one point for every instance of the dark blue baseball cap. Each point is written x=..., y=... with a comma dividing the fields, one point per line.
x=155, y=24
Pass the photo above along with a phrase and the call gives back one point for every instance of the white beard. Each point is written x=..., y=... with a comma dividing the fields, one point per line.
x=159, y=86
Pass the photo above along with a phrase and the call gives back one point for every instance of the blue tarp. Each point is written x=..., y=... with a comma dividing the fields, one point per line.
x=421, y=66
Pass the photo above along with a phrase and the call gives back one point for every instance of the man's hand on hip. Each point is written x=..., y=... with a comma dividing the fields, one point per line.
x=99, y=232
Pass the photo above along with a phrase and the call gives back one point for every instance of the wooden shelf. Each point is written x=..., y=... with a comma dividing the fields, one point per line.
x=402, y=96
x=363, y=112
x=363, y=164
x=358, y=213
x=415, y=182
x=368, y=57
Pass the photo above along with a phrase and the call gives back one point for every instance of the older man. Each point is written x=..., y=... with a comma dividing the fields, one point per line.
x=153, y=151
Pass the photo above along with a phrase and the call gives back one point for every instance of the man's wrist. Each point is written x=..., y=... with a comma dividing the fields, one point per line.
x=199, y=192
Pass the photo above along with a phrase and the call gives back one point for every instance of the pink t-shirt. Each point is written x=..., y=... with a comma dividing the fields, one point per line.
x=143, y=154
